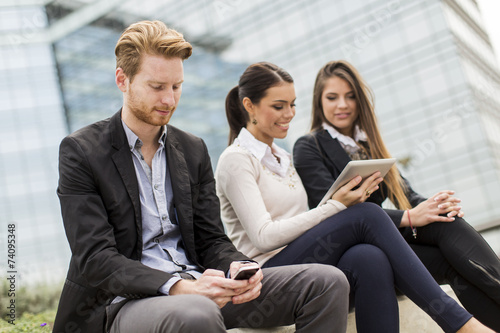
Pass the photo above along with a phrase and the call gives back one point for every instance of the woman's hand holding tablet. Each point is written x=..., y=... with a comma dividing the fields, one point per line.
x=366, y=170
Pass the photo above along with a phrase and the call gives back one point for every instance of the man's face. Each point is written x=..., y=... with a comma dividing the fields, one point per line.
x=155, y=90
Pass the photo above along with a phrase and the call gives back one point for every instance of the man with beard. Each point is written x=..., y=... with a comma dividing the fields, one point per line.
x=149, y=253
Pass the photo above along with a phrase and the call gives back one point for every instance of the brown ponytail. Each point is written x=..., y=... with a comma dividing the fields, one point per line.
x=236, y=116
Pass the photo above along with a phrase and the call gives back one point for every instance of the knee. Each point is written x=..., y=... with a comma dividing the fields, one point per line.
x=329, y=279
x=455, y=232
x=204, y=311
x=198, y=314
x=369, y=208
x=366, y=262
x=372, y=213
x=459, y=226
x=366, y=256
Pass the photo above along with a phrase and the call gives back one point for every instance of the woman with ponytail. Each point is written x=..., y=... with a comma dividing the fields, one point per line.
x=264, y=208
x=344, y=128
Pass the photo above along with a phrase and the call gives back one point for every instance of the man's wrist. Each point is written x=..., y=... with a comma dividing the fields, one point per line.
x=182, y=287
x=165, y=288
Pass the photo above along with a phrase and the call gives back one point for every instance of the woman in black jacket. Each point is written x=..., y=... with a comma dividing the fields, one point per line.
x=344, y=128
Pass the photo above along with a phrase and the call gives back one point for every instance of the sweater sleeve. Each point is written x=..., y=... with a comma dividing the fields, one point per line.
x=237, y=174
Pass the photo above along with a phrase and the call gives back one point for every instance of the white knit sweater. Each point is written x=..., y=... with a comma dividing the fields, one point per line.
x=262, y=211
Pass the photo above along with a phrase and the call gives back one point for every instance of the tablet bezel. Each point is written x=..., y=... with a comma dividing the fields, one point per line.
x=363, y=168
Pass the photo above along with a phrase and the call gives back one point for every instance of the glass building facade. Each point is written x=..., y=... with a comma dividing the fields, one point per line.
x=32, y=123
x=429, y=63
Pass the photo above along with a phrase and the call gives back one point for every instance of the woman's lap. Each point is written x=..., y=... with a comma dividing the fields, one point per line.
x=367, y=223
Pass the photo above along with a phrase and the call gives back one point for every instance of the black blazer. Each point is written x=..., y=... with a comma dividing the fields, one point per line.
x=319, y=160
x=101, y=211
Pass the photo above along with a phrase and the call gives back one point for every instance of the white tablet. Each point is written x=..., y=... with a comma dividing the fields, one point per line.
x=363, y=168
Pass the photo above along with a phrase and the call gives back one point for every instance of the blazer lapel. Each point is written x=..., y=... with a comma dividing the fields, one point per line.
x=123, y=162
x=333, y=150
x=181, y=188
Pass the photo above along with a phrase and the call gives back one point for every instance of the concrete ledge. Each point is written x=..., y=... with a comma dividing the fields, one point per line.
x=283, y=329
x=412, y=320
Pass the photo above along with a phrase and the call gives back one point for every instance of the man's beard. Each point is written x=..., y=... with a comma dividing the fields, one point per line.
x=146, y=114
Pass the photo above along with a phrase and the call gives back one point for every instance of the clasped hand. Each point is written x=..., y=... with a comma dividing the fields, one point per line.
x=442, y=207
x=214, y=285
x=350, y=196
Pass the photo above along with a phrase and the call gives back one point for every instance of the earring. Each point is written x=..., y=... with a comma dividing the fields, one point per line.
x=254, y=121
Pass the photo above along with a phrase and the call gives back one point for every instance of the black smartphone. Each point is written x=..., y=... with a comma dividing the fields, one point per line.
x=246, y=272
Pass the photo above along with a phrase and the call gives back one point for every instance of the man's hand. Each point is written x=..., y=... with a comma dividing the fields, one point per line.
x=349, y=197
x=432, y=209
x=252, y=290
x=214, y=285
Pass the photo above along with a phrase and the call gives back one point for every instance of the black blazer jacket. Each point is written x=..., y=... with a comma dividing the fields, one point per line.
x=101, y=211
x=319, y=160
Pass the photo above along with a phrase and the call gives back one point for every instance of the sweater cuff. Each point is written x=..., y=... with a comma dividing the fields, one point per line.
x=340, y=206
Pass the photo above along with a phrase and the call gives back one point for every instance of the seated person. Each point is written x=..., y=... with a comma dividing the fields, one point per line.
x=344, y=128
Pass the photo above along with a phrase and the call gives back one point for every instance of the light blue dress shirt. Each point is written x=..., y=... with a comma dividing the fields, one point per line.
x=162, y=242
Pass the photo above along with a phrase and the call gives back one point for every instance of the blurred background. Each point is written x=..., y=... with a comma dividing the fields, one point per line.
x=430, y=63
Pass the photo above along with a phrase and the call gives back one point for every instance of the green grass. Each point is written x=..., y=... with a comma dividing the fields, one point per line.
x=35, y=305
x=29, y=322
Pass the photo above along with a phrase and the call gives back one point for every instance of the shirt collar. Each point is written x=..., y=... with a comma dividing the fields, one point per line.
x=133, y=139
x=359, y=135
x=264, y=153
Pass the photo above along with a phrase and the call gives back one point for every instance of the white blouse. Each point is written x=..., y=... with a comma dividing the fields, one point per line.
x=265, y=154
x=263, y=201
x=359, y=135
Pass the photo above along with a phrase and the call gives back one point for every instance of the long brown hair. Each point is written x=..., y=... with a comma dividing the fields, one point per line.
x=254, y=83
x=367, y=121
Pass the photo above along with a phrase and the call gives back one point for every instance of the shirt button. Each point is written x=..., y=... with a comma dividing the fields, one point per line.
x=156, y=186
x=156, y=240
x=164, y=217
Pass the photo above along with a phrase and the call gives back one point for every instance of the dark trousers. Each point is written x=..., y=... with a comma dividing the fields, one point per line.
x=373, y=269
x=454, y=253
